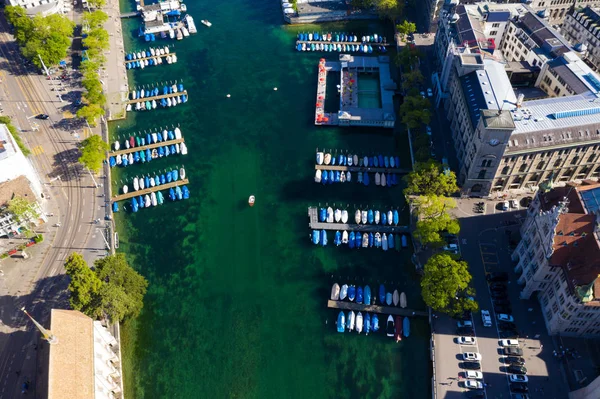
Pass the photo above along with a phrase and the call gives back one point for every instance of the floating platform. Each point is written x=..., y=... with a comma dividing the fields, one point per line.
x=341, y=43
x=357, y=307
x=159, y=97
x=149, y=190
x=343, y=168
x=313, y=215
x=131, y=150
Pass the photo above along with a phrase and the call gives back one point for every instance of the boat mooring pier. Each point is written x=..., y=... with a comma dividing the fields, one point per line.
x=150, y=58
x=362, y=169
x=313, y=215
x=357, y=307
x=130, y=150
x=159, y=97
x=149, y=190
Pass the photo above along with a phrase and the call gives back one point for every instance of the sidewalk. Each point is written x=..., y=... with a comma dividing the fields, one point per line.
x=114, y=73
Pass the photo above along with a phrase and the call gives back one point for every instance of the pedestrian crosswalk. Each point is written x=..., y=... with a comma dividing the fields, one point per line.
x=37, y=150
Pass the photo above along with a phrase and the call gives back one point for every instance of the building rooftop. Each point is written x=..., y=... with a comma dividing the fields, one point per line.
x=576, y=73
x=19, y=187
x=8, y=147
x=545, y=39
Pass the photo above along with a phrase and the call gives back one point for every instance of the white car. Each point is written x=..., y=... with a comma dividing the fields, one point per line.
x=466, y=341
x=505, y=317
x=473, y=384
x=464, y=323
x=486, y=318
x=453, y=248
x=474, y=375
x=428, y=130
x=504, y=205
x=509, y=342
x=422, y=94
x=471, y=356
x=518, y=378
x=429, y=93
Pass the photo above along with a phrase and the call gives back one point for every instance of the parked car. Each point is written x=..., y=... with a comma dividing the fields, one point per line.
x=517, y=369
x=506, y=325
x=453, y=248
x=465, y=331
x=504, y=205
x=503, y=308
x=464, y=323
x=486, y=318
x=475, y=393
x=429, y=93
x=509, y=342
x=42, y=116
x=505, y=317
x=428, y=130
x=497, y=276
x=513, y=204
x=471, y=365
x=466, y=341
x=518, y=378
x=500, y=301
x=470, y=384
x=519, y=387
x=516, y=360
x=512, y=351
x=499, y=295
x=509, y=334
x=470, y=356
x=474, y=375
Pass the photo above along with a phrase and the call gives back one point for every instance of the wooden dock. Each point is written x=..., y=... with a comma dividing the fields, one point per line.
x=341, y=43
x=159, y=97
x=130, y=14
x=357, y=307
x=362, y=169
x=313, y=215
x=149, y=190
x=145, y=147
x=149, y=58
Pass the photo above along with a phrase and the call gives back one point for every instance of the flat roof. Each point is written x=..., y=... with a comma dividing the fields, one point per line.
x=71, y=360
x=7, y=143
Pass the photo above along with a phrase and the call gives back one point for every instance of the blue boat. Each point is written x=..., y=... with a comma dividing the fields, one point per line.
x=359, y=294
x=367, y=295
x=159, y=136
x=115, y=207
x=340, y=160
x=316, y=237
x=338, y=176
x=146, y=181
x=365, y=178
x=180, y=87
x=163, y=180
x=375, y=323
x=325, y=177
x=376, y=161
x=172, y=194
x=351, y=240
x=322, y=215
x=165, y=90
x=397, y=161
x=186, y=192
x=377, y=240
x=406, y=327
x=173, y=149
x=323, y=237
x=396, y=217
x=156, y=181
x=175, y=174
x=141, y=202
x=351, y=292
x=137, y=141
x=184, y=98
x=125, y=161
x=341, y=322
x=370, y=216
x=367, y=323
x=357, y=240
x=371, y=239
x=134, y=204
x=333, y=159
x=382, y=294
x=143, y=156
x=178, y=193
x=148, y=155
x=161, y=151
x=391, y=241
x=383, y=218
x=380, y=159
x=337, y=240
x=169, y=178
x=136, y=157
x=171, y=135
x=331, y=177
x=404, y=241
x=143, y=141
x=386, y=162
x=112, y=162
x=155, y=91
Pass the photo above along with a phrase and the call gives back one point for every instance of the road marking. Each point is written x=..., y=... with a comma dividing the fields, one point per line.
x=37, y=150
x=79, y=229
x=82, y=214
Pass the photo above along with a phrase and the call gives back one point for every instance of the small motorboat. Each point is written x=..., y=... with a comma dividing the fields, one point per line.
x=125, y=189
x=386, y=161
x=337, y=215
x=377, y=217
x=251, y=200
x=383, y=218
x=337, y=239
x=366, y=161
x=370, y=216
x=367, y=295
x=365, y=240
x=396, y=297
x=371, y=240
x=320, y=157
x=355, y=159
x=403, y=300
x=153, y=199
x=365, y=178
x=351, y=320
x=345, y=237
x=404, y=241
x=390, y=217
x=335, y=292
x=322, y=215
x=329, y=215
x=323, y=237
x=134, y=204
x=344, y=216
x=357, y=216
x=359, y=294
x=341, y=322
x=363, y=217
x=378, y=240
x=377, y=179
x=351, y=292
x=349, y=160
x=343, y=177
x=360, y=177
x=359, y=322
x=142, y=183
x=147, y=201
x=398, y=332
x=389, y=327
x=325, y=177
x=318, y=176
x=181, y=173
x=136, y=184
x=406, y=327
x=367, y=324
x=391, y=243
x=396, y=217
x=375, y=323
x=117, y=145
x=388, y=298
x=327, y=159
x=351, y=240
x=358, y=240
x=160, y=198
x=206, y=22
x=316, y=237
x=382, y=294
x=344, y=292
x=186, y=192
x=384, y=242
x=383, y=180
x=348, y=176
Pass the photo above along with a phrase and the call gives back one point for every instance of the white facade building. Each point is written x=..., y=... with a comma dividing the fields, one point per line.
x=582, y=29
x=14, y=164
x=44, y=7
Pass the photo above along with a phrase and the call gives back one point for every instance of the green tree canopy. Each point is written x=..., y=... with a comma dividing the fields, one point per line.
x=84, y=286
x=389, y=9
x=93, y=152
x=412, y=79
x=434, y=220
x=96, y=3
x=22, y=209
x=429, y=178
x=406, y=28
x=91, y=113
x=415, y=111
x=95, y=19
x=407, y=57
x=445, y=280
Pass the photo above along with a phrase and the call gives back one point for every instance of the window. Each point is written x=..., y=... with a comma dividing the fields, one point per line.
x=572, y=330
x=481, y=174
x=494, y=32
x=557, y=90
x=495, y=25
x=561, y=299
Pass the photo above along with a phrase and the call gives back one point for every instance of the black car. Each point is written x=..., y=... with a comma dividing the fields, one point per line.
x=514, y=360
x=517, y=370
x=42, y=116
x=498, y=290
x=499, y=295
x=507, y=309
x=465, y=331
x=471, y=365
x=512, y=351
x=500, y=301
x=499, y=284
x=520, y=387
x=498, y=276
x=476, y=393
x=509, y=334
x=506, y=326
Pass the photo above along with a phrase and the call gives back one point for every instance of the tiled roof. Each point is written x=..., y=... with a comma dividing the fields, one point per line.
x=19, y=187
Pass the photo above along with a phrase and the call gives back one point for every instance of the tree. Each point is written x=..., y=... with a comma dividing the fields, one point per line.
x=95, y=19
x=434, y=219
x=445, y=280
x=429, y=178
x=412, y=79
x=22, y=209
x=389, y=9
x=406, y=28
x=84, y=286
x=90, y=113
x=415, y=111
x=407, y=57
x=96, y=41
x=96, y=3
x=93, y=152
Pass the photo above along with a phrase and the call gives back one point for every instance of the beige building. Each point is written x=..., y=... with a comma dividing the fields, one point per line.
x=559, y=258
x=555, y=11
x=582, y=29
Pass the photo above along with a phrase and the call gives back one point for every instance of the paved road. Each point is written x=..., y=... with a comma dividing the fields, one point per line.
x=73, y=199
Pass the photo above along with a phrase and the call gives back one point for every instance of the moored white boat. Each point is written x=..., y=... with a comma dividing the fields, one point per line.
x=377, y=179
x=355, y=159
x=206, y=22
x=383, y=180
x=177, y=132
x=335, y=292
x=318, y=176
x=348, y=176
x=390, y=218
x=117, y=145
x=345, y=237
x=125, y=189
x=359, y=322
x=136, y=184
x=329, y=215
x=396, y=298
x=384, y=242
x=363, y=217
x=344, y=216
x=365, y=240
x=327, y=159
x=142, y=184
x=181, y=173
x=349, y=158
x=343, y=292
x=377, y=217
x=184, y=150
x=357, y=216
x=320, y=158
x=153, y=199
x=337, y=215
x=403, y=300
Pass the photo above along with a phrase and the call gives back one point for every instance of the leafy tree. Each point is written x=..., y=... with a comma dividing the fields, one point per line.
x=412, y=79
x=444, y=282
x=407, y=57
x=22, y=209
x=84, y=286
x=415, y=111
x=89, y=67
x=406, y=28
x=90, y=113
x=96, y=3
x=95, y=19
x=434, y=219
x=389, y=9
x=92, y=152
x=429, y=179
x=96, y=41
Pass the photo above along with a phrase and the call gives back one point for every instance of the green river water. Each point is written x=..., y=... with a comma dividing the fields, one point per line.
x=236, y=306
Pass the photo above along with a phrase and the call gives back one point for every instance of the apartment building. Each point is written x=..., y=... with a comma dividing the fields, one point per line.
x=582, y=29
x=19, y=187
x=555, y=11
x=559, y=257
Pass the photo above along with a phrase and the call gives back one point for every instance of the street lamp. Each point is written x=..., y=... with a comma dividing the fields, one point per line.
x=104, y=238
x=48, y=74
